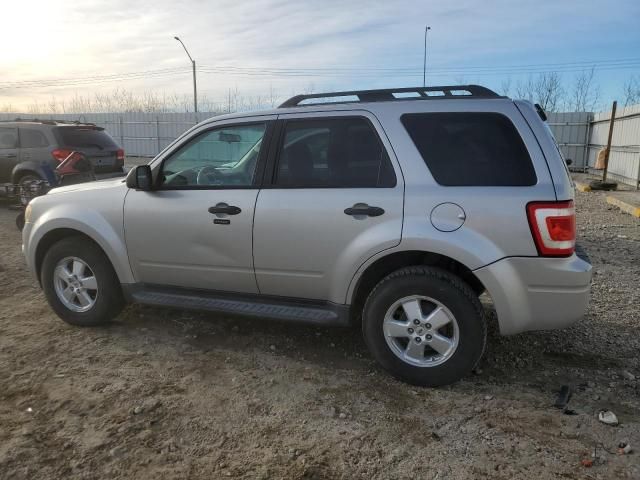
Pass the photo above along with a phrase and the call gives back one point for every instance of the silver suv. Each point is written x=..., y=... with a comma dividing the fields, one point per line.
x=393, y=209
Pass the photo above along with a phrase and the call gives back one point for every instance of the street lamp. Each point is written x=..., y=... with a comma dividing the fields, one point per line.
x=424, y=66
x=193, y=64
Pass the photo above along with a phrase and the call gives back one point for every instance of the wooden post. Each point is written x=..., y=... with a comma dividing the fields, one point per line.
x=608, y=150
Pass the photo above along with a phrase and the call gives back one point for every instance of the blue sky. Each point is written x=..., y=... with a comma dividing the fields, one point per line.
x=289, y=46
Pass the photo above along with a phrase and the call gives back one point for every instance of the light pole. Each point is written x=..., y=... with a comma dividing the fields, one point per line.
x=193, y=64
x=424, y=65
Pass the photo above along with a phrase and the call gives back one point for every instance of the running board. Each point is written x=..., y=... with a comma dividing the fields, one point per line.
x=317, y=313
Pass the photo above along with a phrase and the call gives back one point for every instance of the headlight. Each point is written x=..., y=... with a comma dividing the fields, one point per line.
x=27, y=213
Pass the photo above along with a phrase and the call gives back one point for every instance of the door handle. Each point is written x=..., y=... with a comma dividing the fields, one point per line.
x=364, y=209
x=224, y=208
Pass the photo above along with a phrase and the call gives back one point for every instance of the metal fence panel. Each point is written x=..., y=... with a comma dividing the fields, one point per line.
x=624, y=158
x=571, y=130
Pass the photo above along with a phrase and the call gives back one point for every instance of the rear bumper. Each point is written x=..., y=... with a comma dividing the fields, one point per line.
x=537, y=293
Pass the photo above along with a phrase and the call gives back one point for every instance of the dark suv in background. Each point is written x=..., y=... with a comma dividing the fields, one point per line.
x=28, y=147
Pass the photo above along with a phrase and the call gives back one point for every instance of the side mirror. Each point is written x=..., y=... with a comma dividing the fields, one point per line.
x=568, y=161
x=140, y=178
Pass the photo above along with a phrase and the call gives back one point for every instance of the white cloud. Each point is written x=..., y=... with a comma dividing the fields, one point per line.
x=103, y=37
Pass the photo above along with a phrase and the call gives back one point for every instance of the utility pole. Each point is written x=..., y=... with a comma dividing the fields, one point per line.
x=193, y=65
x=424, y=65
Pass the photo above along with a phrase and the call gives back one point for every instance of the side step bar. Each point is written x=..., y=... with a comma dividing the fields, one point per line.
x=317, y=313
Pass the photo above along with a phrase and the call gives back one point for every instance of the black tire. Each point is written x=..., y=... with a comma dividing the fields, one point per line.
x=444, y=287
x=600, y=185
x=109, y=300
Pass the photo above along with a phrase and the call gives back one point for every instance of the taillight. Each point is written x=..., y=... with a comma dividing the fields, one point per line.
x=120, y=154
x=61, y=154
x=553, y=225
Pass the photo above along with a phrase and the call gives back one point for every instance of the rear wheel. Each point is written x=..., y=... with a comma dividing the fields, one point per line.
x=425, y=326
x=80, y=283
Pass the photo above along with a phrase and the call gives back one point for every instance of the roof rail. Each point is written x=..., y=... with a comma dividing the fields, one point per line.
x=50, y=121
x=389, y=94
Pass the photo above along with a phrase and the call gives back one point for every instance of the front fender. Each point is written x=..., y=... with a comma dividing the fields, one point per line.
x=106, y=230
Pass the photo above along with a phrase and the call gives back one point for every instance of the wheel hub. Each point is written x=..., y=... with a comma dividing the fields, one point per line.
x=421, y=331
x=75, y=284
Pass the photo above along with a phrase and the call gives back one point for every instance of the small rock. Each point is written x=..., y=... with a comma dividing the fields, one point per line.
x=622, y=236
x=138, y=410
x=273, y=348
x=332, y=345
x=628, y=375
x=608, y=418
x=117, y=451
x=488, y=397
x=29, y=410
x=342, y=415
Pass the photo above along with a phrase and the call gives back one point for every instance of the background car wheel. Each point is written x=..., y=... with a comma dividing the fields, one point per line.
x=24, y=181
x=425, y=326
x=80, y=283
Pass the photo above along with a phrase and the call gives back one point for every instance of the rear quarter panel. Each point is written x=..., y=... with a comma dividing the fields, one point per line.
x=496, y=223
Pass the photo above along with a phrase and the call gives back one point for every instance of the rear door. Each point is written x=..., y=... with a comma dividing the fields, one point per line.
x=34, y=146
x=8, y=152
x=332, y=198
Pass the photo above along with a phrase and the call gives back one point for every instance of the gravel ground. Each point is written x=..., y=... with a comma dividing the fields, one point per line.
x=170, y=394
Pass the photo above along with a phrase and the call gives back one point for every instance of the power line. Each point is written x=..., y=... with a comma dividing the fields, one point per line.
x=332, y=71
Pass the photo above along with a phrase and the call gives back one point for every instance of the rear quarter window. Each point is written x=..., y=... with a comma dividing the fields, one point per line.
x=85, y=138
x=470, y=149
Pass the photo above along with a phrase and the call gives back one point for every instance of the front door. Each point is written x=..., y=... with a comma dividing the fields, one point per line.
x=194, y=229
x=8, y=152
x=335, y=199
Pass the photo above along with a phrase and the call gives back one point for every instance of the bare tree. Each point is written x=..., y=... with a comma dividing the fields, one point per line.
x=505, y=87
x=548, y=91
x=525, y=88
x=585, y=93
x=632, y=91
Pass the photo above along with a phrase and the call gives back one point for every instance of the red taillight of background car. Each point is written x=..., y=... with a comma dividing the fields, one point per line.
x=61, y=153
x=120, y=154
x=553, y=225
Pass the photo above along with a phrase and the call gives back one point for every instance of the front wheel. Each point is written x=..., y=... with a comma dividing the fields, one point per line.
x=80, y=283
x=425, y=326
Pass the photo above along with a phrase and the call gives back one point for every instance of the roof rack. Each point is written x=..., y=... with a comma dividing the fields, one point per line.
x=389, y=94
x=50, y=121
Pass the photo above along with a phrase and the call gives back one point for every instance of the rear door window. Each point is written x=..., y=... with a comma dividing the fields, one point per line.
x=32, y=139
x=86, y=138
x=8, y=138
x=333, y=153
x=471, y=149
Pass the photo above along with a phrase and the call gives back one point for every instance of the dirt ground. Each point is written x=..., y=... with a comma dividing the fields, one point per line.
x=171, y=394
